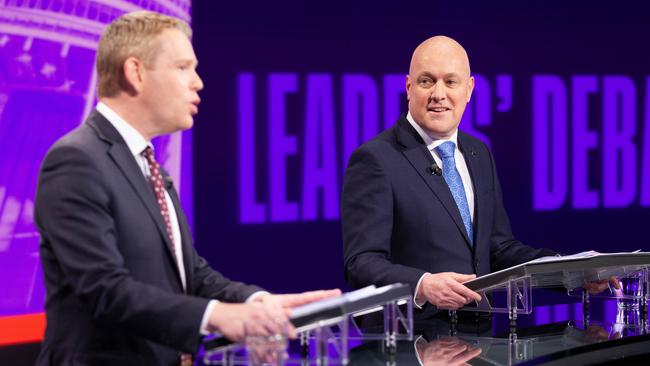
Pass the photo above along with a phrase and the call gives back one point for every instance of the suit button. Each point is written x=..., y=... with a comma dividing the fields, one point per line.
x=476, y=263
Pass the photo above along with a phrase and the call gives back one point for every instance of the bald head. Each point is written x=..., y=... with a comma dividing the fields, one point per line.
x=440, y=47
x=439, y=86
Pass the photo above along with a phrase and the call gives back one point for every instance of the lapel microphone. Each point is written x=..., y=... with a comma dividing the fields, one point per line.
x=435, y=169
x=169, y=183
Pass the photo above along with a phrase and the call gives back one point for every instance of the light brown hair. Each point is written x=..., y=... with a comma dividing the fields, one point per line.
x=131, y=35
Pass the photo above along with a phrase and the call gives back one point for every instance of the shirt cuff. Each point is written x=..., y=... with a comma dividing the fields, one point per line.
x=208, y=310
x=417, y=287
x=206, y=316
x=257, y=295
x=419, y=340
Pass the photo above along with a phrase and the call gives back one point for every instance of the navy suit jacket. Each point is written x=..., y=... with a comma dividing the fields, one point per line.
x=400, y=220
x=114, y=294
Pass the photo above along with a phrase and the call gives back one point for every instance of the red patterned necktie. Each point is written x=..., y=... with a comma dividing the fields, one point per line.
x=159, y=189
x=158, y=185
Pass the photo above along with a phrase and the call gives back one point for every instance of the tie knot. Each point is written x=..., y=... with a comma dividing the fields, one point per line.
x=446, y=150
x=148, y=153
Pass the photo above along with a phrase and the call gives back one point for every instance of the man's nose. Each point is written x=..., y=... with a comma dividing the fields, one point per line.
x=197, y=83
x=438, y=92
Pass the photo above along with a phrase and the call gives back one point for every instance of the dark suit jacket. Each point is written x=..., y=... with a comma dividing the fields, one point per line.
x=400, y=220
x=114, y=294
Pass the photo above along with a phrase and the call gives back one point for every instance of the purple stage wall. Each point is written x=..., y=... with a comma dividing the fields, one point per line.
x=47, y=87
x=562, y=97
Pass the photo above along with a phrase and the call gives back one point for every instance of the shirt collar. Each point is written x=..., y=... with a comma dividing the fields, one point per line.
x=431, y=142
x=134, y=140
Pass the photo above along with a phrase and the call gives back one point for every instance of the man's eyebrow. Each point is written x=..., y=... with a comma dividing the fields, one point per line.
x=448, y=75
x=186, y=61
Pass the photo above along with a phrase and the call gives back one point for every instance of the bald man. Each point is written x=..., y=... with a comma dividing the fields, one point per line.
x=422, y=201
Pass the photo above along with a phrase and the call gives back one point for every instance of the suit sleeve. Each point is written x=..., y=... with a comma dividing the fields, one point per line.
x=207, y=282
x=73, y=213
x=367, y=220
x=211, y=284
x=505, y=250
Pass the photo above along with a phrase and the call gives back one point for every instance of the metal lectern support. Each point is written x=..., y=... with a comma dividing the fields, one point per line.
x=390, y=326
x=518, y=299
x=515, y=296
x=324, y=336
x=632, y=298
x=585, y=308
x=304, y=344
x=393, y=317
x=571, y=272
x=644, y=297
x=321, y=334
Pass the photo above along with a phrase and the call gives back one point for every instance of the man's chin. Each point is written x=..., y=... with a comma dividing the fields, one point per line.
x=178, y=127
x=187, y=124
x=440, y=128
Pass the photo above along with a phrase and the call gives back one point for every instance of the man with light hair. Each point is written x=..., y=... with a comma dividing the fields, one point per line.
x=124, y=283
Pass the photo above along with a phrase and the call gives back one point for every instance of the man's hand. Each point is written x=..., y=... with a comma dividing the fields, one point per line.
x=446, y=291
x=446, y=351
x=597, y=333
x=597, y=287
x=235, y=321
x=266, y=315
x=289, y=301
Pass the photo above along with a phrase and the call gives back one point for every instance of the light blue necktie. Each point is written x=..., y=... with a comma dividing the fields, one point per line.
x=452, y=177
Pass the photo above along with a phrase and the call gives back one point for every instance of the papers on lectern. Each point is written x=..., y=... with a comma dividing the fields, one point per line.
x=568, y=271
x=348, y=303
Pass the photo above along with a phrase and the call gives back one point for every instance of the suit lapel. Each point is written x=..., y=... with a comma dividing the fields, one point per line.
x=420, y=159
x=475, y=162
x=121, y=155
x=186, y=237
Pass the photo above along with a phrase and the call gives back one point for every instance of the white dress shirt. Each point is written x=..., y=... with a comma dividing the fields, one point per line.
x=137, y=143
x=461, y=166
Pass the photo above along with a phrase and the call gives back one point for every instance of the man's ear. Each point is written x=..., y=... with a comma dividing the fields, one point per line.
x=408, y=87
x=470, y=88
x=133, y=74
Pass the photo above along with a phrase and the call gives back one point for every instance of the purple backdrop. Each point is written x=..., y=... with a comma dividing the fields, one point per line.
x=562, y=97
x=47, y=87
